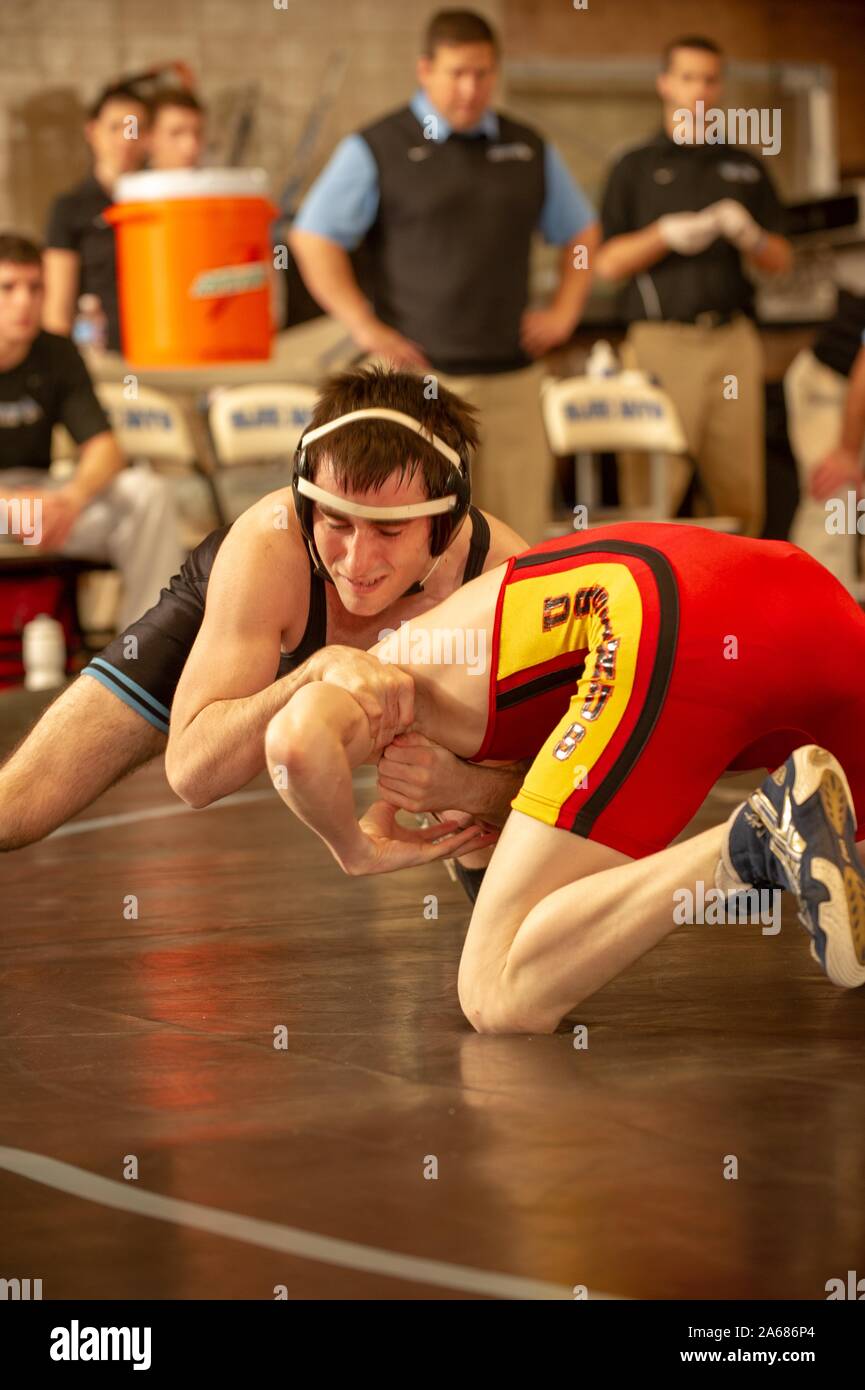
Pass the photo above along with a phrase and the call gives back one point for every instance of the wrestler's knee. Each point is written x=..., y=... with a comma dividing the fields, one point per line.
x=286, y=740
x=496, y=1003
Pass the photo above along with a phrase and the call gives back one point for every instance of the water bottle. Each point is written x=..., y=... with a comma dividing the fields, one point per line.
x=602, y=361
x=90, y=329
x=44, y=651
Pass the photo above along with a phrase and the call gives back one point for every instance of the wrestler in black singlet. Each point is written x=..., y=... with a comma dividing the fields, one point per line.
x=142, y=666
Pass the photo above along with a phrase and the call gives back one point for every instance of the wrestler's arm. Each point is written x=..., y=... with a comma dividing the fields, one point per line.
x=487, y=791
x=227, y=695
x=492, y=789
x=311, y=746
x=418, y=775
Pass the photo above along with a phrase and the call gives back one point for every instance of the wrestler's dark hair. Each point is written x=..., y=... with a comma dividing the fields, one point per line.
x=19, y=250
x=367, y=453
x=457, y=26
x=689, y=41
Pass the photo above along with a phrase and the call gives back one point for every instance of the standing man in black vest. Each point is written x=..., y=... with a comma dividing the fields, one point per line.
x=449, y=193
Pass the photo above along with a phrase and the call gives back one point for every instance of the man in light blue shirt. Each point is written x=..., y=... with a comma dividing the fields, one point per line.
x=447, y=195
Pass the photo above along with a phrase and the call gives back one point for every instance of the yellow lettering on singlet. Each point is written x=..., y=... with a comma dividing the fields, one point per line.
x=605, y=616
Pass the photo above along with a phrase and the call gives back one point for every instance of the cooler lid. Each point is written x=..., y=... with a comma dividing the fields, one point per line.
x=155, y=185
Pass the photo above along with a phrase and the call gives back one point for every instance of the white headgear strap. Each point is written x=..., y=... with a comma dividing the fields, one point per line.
x=435, y=507
x=382, y=413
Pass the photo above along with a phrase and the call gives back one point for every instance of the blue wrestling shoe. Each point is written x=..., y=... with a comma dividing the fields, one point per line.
x=798, y=832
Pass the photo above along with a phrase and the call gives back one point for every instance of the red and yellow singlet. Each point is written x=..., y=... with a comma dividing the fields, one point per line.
x=638, y=662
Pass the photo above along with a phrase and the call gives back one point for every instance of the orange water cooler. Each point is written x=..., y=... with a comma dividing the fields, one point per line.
x=193, y=265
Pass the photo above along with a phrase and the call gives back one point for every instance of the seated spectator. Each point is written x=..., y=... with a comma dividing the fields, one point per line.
x=106, y=511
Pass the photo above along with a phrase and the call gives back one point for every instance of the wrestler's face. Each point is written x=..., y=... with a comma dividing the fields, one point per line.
x=372, y=563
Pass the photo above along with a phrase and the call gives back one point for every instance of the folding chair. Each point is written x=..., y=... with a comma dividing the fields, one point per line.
x=590, y=415
x=258, y=425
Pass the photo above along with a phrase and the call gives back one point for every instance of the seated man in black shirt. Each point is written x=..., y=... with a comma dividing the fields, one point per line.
x=106, y=511
x=79, y=254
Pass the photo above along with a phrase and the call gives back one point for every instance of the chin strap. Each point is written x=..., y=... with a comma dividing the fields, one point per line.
x=417, y=587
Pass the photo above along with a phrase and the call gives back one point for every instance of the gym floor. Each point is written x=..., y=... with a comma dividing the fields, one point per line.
x=281, y=1052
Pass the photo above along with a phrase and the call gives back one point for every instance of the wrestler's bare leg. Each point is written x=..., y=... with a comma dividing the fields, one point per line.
x=83, y=743
x=559, y=916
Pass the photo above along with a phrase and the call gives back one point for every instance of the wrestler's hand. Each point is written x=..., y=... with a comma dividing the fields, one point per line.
x=418, y=775
x=385, y=846
x=384, y=692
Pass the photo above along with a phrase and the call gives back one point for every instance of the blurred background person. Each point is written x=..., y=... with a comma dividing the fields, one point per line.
x=176, y=133
x=449, y=193
x=105, y=511
x=825, y=392
x=687, y=297
x=79, y=246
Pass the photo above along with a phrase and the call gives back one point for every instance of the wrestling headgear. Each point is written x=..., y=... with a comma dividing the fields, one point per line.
x=448, y=512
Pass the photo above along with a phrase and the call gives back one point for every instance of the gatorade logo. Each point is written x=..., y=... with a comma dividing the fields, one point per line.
x=229, y=279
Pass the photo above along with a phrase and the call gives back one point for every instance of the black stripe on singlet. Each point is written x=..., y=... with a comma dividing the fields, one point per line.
x=662, y=670
x=539, y=686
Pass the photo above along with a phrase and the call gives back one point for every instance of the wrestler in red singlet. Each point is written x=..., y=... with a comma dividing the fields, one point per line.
x=652, y=658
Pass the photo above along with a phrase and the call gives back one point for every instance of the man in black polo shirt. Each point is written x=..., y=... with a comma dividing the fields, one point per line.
x=79, y=254
x=449, y=193
x=683, y=221
x=106, y=511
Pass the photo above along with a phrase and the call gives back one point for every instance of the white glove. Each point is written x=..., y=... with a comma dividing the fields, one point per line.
x=690, y=232
x=737, y=224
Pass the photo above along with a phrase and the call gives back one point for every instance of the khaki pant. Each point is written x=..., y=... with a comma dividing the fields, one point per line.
x=815, y=397
x=725, y=437
x=512, y=472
